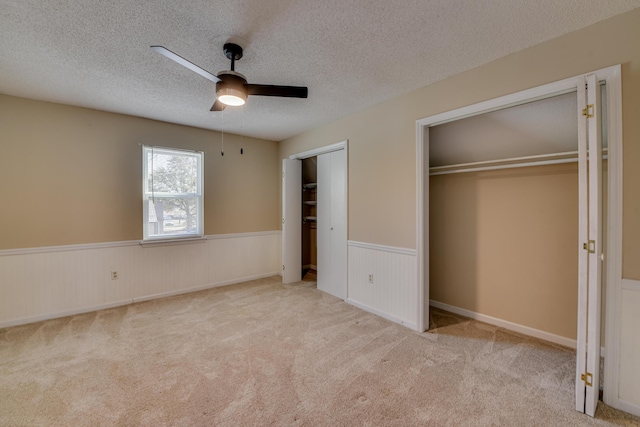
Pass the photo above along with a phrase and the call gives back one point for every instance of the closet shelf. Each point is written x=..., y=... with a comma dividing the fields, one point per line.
x=309, y=185
x=309, y=219
x=310, y=202
x=515, y=162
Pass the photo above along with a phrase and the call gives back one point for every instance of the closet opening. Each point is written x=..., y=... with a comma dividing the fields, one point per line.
x=503, y=197
x=516, y=220
x=309, y=219
x=314, y=223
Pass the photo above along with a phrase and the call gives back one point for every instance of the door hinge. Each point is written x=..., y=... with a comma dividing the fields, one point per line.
x=590, y=246
x=587, y=377
x=588, y=111
x=283, y=266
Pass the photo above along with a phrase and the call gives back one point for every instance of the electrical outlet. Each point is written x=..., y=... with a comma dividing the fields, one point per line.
x=370, y=278
x=114, y=275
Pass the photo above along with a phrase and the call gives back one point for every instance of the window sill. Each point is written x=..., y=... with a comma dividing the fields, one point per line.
x=171, y=242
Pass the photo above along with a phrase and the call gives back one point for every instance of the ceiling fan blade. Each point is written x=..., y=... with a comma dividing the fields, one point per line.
x=269, y=90
x=185, y=63
x=217, y=106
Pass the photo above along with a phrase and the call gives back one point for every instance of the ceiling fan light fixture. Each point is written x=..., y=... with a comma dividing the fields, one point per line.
x=230, y=89
x=232, y=97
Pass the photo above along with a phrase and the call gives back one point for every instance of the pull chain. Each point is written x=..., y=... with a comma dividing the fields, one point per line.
x=222, y=149
x=241, y=128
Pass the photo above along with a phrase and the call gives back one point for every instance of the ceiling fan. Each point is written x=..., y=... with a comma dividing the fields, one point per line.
x=232, y=88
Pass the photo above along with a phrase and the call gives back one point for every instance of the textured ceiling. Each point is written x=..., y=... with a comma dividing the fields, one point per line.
x=351, y=54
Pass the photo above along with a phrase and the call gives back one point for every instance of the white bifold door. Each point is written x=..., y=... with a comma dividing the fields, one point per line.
x=291, y=221
x=332, y=223
x=590, y=257
x=331, y=214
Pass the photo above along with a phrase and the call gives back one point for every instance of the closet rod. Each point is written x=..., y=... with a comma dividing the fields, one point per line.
x=509, y=166
x=537, y=160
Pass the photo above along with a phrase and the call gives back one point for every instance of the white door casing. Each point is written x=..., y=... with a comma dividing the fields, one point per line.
x=621, y=366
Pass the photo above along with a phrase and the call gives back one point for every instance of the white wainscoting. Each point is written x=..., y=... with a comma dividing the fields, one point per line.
x=49, y=282
x=629, y=349
x=393, y=293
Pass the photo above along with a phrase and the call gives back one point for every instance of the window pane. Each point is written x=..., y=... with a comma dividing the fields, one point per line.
x=172, y=173
x=170, y=216
x=173, y=201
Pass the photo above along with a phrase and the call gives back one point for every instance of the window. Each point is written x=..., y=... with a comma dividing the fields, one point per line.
x=173, y=202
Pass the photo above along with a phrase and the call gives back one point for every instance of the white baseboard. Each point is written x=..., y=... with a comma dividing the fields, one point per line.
x=627, y=406
x=49, y=316
x=57, y=315
x=382, y=314
x=202, y=288
x=556, y=339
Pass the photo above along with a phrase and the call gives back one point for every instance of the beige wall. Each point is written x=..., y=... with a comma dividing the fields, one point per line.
x=504, y=243
x=72, y=175
x=382, y=200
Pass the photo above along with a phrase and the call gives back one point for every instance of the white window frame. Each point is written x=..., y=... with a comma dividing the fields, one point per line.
x=151, y=194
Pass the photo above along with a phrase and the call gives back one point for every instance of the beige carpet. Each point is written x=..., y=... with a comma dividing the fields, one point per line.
x=261, y=353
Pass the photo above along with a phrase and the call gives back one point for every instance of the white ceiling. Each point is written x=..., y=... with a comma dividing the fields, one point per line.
x=350, y=54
